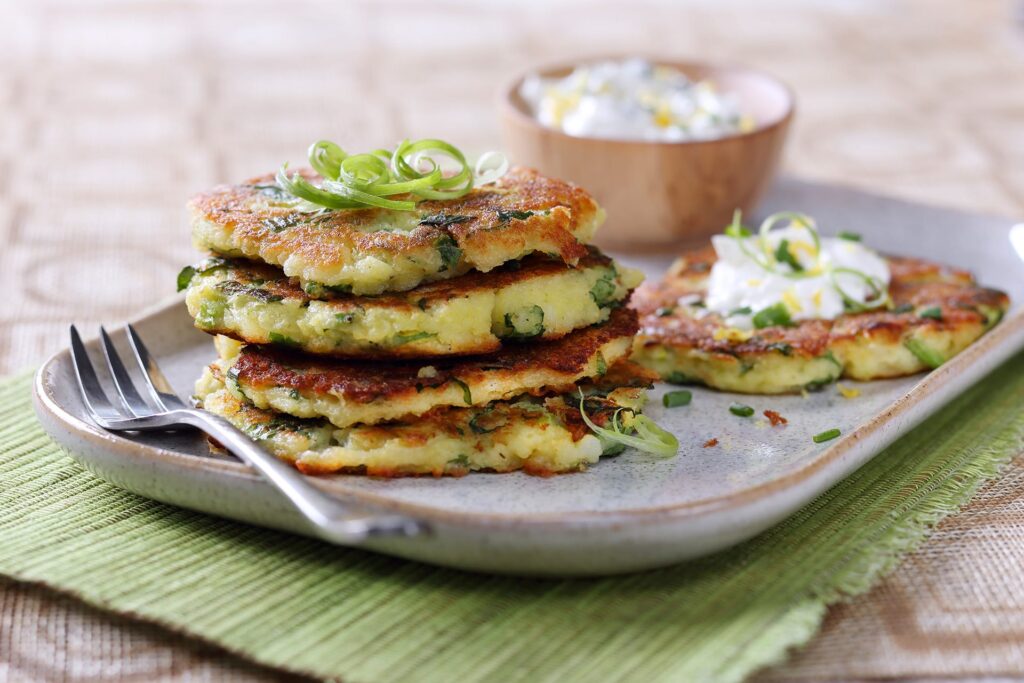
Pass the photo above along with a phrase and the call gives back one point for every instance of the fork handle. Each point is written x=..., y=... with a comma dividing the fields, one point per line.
x=331, y=519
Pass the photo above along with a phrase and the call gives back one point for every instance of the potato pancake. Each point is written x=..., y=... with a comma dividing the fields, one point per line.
x=936, y=312
x=536, y=298
x=350, y=392
x=541, y=436
x=369, y=251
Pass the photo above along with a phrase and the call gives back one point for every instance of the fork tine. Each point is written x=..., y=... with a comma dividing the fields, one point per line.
x=126, y=391
x=92, y=391
x=159, y=388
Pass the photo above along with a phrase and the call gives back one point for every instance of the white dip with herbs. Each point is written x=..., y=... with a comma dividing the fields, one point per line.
x=792, y=274
x=634, y=99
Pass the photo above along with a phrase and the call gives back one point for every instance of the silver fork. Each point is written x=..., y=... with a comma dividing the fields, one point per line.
x=330, y=518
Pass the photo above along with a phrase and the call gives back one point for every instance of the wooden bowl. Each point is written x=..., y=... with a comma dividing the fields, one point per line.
x=657, y=193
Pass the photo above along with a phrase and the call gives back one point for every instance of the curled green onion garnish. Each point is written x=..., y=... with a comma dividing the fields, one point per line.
x=647, y=437
x=374, y=179
x=768, y=258
x=879, y=292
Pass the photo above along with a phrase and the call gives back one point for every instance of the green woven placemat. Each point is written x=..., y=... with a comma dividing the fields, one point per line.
x=306, y=606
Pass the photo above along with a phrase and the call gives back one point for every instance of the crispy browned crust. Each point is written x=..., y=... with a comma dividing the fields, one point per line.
x=914, y=281
x=961, y=305
x=809, y=338
x=328, y=238
x=363, y=382
x=276, y=284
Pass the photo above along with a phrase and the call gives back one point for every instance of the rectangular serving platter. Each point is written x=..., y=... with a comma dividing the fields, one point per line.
x=627, y=513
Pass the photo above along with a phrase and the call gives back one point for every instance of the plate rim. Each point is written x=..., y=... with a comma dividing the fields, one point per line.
x=931, y=383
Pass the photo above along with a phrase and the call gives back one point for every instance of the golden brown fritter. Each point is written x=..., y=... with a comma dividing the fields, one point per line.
x=369, y=251
x=936, y=312
x=538, y=297
x=350, y=392
x=541, y=436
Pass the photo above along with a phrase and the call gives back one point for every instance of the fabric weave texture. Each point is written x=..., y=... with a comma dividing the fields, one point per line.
x=301, y=605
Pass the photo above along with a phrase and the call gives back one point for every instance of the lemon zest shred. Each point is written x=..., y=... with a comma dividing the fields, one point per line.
x=848, y=392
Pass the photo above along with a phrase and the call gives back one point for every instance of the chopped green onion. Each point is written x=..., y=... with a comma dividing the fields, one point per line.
x=768, y=259
x=506, y=216
x=784, y=255
x=903, y=308
x=932, y=312
x=283, y=340
x=663, y=312
x=467, y=395
x=736, y=229
x=740, y=311
x=443, y=220
x=777, y=314
x=826, y=435
x=741, y=410
x=408, y=337
x=185, y=277
x=649, y=437
x=849, y=236
x=359, y=181
x=680, y=378
x=924, y=353
x=449, y=252
x=674, y=399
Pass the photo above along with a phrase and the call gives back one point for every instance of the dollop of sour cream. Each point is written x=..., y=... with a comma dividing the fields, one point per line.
x=634, y=99
x=739, y=286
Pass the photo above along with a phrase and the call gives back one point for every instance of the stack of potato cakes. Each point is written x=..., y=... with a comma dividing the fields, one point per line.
x=468, y=334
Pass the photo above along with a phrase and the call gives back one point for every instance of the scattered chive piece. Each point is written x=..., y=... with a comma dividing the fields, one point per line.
x=784, y=255
x=741, y=410
x=740, y=311
x=776, y=314
x=674, y=399
x=932, y=312
x=665, y=311
x=903, y=308
x=826, y=435
x=851, y=236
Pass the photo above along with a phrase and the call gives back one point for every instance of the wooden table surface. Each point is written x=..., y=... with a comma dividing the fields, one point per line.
x=114, y=112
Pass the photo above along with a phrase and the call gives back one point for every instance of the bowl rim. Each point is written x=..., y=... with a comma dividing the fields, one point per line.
x=508, y=92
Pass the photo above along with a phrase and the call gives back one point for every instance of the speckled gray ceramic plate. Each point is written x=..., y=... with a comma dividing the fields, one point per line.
x=627, y=513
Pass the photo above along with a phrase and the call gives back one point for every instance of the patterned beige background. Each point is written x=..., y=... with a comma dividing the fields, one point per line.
x=112, y=113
